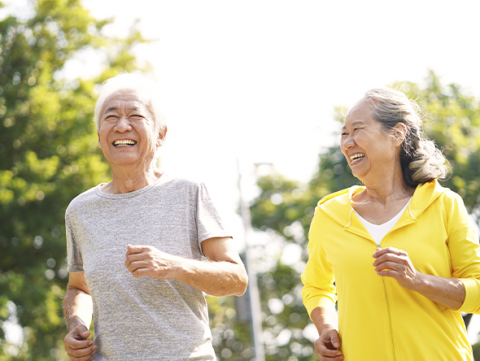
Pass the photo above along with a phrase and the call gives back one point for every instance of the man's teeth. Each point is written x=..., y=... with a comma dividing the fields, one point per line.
x=357, y=156
x=124, y=142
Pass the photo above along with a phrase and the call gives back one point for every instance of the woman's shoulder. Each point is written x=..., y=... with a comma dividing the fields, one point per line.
x=339, y=198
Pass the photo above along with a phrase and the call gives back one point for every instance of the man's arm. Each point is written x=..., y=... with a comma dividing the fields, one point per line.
x=223, y=275
x=77, y=308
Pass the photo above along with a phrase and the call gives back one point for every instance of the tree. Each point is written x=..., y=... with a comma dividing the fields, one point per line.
x=48, y=155
x=285, y=207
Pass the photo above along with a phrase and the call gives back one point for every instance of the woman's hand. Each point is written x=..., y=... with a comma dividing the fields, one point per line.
x=327, y=346
x=395, y=263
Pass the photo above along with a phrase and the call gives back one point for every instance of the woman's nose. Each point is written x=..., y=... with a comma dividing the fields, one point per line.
x=348, y=142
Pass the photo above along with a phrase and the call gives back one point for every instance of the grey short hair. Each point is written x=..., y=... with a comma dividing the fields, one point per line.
x=127, y=81
x=420, y=159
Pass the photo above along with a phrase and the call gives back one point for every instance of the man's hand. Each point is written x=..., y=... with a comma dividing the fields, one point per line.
x=151, y=262
x=327, y=346
x=78, y=307
x=223, y=275
x=78, y=347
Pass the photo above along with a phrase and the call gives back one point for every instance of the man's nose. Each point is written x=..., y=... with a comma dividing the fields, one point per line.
x=123, y=125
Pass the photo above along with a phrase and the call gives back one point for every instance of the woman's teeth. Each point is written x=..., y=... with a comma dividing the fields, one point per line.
x=357, y=156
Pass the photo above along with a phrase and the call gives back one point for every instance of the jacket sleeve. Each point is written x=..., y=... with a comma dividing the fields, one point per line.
x=318, y=290
x=464, y=252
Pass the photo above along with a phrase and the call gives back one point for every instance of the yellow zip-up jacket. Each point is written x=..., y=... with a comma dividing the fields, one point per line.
x=378, y=319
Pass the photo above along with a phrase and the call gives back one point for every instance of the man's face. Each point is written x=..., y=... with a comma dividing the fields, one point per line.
x=127, y=133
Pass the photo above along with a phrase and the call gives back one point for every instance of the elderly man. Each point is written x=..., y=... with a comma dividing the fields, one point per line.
x=144, y=247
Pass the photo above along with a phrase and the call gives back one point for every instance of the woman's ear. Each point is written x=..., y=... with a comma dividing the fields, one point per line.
x=399, y=133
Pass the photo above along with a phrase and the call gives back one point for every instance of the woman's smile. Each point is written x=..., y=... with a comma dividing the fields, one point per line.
x=356, y=158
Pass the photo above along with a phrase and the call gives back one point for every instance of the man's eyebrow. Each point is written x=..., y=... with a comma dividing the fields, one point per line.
x=109, y=109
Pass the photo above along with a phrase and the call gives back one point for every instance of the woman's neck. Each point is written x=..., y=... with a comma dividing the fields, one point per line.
x=387, y=188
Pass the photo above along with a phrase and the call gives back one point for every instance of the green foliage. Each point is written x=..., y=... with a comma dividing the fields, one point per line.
x=48, y=155
x=231, y=338
x=452, y=120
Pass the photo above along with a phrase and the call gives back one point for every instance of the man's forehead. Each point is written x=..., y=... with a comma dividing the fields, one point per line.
x=134, y=100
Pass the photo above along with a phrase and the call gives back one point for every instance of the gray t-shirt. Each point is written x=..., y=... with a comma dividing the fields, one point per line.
x=141, y=319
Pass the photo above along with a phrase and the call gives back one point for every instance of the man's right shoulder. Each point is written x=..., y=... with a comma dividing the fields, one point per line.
x=83, y=199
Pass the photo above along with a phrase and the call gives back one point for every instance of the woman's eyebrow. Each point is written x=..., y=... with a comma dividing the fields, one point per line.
x=355, y=122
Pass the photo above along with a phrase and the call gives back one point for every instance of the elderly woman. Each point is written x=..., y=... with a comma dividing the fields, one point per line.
x=137, y=245
x=401, y=249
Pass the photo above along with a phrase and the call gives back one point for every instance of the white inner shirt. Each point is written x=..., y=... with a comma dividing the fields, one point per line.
x=378, y=231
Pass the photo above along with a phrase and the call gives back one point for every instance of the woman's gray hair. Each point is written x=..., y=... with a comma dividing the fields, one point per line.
x=420, y=159
x=127, y=81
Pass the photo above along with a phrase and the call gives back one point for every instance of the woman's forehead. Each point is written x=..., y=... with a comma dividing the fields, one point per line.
x=360, y=112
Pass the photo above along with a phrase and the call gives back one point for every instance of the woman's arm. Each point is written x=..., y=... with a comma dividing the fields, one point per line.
x=327, y=346
x=319, y=295
x=395, y=263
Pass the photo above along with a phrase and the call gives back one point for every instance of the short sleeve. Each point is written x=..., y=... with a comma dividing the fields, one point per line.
x=318, y=290
x=464, y=253
x=74, y=256
x=209, y=223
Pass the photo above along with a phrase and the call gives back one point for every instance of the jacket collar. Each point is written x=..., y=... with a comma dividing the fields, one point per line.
x=338, y=207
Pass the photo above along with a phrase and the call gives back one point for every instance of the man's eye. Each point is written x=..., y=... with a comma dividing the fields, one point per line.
x=111, y=117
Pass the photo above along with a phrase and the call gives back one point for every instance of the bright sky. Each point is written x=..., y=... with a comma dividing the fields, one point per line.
x=258, y=80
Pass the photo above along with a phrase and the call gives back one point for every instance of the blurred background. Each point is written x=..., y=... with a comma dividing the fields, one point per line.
x=251, y=89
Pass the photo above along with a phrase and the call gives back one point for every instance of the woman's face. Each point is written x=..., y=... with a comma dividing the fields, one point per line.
x=370, y=153
x=127, y=133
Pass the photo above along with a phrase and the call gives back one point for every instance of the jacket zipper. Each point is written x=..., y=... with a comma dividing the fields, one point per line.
x=389, y=319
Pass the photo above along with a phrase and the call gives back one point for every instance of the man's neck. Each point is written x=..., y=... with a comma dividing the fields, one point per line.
x=130, y=180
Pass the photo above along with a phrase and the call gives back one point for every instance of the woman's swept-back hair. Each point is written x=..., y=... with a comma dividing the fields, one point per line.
x=128, y=81
x=420, y=159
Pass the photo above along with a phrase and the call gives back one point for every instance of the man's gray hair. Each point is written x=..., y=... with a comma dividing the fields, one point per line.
x=127, y=81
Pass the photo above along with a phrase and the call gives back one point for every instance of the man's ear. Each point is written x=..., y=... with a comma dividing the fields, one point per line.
x=98, y=136
x=161, y=136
